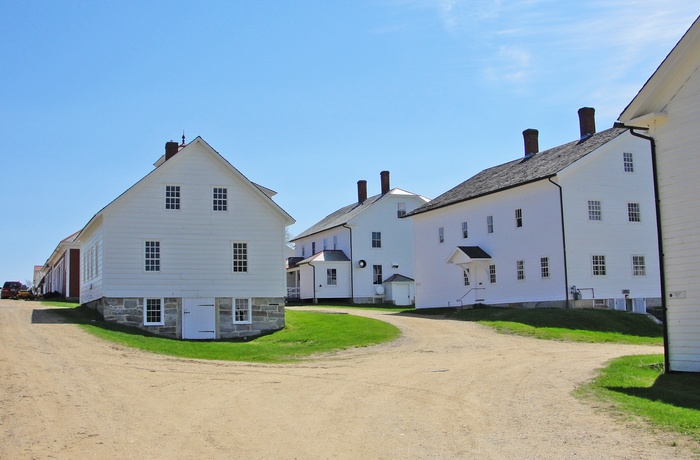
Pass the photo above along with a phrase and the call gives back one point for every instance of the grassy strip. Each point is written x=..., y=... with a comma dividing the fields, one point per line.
x=637, y=385
x=306, y=333
x=575, y=325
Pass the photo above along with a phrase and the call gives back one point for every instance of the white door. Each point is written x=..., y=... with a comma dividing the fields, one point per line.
x=198, y=319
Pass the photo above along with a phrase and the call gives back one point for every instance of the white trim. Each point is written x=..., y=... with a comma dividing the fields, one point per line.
x=249, y=313
x=145, y=311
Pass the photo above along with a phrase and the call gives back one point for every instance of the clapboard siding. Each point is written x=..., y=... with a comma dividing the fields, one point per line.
x=440, y=284
x=195, y=241
x=601, y=176
x=678, y=147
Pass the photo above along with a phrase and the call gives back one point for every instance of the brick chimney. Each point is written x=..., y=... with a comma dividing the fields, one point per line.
x=384, y=176
x=532, y=144
x=586, y=120
x=361, y=191
x=171, y=149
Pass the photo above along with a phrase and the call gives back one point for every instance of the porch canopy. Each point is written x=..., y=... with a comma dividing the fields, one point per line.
x=465, y=255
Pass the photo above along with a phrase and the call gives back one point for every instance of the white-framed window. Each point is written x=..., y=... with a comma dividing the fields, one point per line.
x=172, y=197
x=634, y=214
x=331, y=277
x=598, y=265
x=628, y=161
x=400, y=209
x=313, y=247
x=90, y=260
x=544, y=267
x=441, y=234
x=492, y=274
x=240, y=257
x=595, y=211
x=219, y=199
x=639, y=266
x=152, y=256
x=242, y=313
x=377, y=274
x=153, y=312
x=465, y=230
x=518, y=217
x=303, y=251
x=376, y=239
x=466, y=277
x=325, y=244
x=335, y=242
x=489, y=224
x=520, y=269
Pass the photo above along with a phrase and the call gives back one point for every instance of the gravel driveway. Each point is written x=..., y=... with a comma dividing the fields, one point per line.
x=444, y=390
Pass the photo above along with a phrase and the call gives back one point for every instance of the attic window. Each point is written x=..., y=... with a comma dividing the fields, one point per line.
x=172, y=197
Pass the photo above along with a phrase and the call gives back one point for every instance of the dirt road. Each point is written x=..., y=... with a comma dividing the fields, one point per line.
x=445, y=390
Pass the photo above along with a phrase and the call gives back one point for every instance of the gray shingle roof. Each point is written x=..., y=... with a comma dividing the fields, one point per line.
x=474, y=252
x=338, y=218
x=521, y=171
x=327, y=255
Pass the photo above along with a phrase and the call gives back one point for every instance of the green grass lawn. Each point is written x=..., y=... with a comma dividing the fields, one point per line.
x=305, y=333
x=637, y=385
x=575, y=325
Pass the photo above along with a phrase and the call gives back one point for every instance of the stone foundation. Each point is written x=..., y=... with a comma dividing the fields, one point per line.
x=267, y=313
x=267, y=316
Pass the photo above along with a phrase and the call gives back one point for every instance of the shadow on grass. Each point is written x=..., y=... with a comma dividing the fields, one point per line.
x=678, y=390
x=82, y=315
x=574, y=319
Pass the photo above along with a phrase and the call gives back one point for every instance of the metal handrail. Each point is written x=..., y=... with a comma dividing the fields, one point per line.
x=461, y=304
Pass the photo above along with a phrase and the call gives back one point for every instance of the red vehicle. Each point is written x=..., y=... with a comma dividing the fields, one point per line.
x=10, y=289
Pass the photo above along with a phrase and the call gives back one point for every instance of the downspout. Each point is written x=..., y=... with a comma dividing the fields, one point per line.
x=352, y=269
x=314, y=278
x=563, y=240
x=662, y=275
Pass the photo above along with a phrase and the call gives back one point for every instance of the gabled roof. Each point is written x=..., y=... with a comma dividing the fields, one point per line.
x=68, y=242
x=262, y=191
x=466, y=254
x=327, y=255
x=345, y=214
x=521, y=171
x=667, y=79
x=396, y=278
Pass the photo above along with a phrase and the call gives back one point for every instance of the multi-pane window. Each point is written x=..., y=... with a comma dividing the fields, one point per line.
x=466, y=277
x=441, y=234
x=325, y=244
x=172, y=197
x=153, y=312
x=465, y=230
x=220, y=199
x=628, y=161
x=376, y=274
x=520, y=269
x=594, y=210
x=241, y=311
x=492, y=274
x=335, y=242
x=313, y=247
x=240, y=257
x=489, y=224
x=303, y=250
x=598, y=263
x=376, y=239
x=400, y=209
x=518, y=217
x=152, y=256
x=638, y=266
x=544, y=267
x=331, y=277
x=633, y=212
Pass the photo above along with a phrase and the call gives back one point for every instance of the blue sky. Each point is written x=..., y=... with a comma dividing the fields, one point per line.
x=303, y=97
